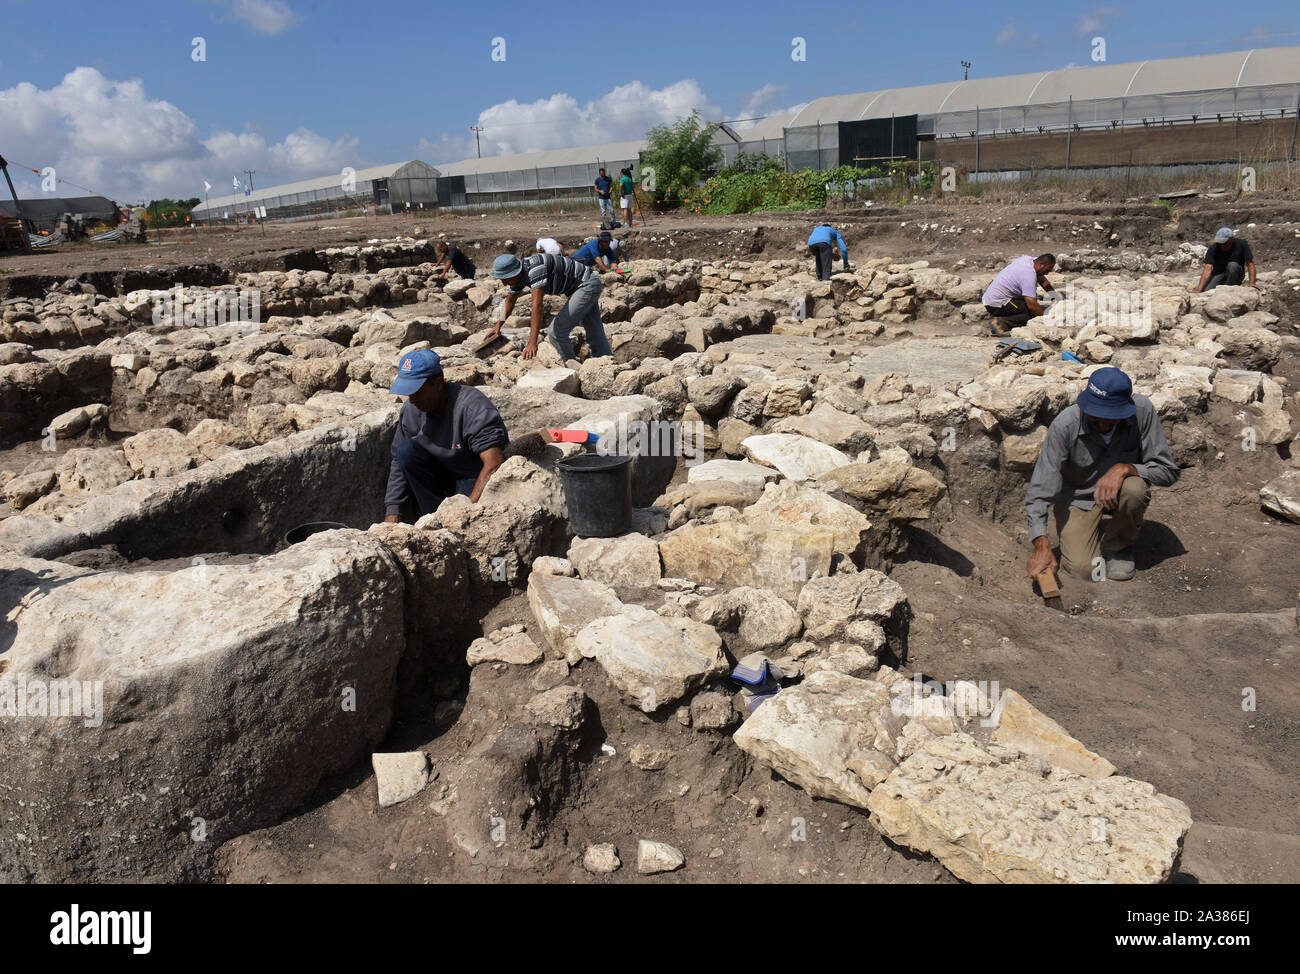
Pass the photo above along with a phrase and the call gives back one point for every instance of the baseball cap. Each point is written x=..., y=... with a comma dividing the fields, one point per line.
x=1108, y=395
x=414, y=370
x=1224, y=235
x=606, y=236
x=507, y=266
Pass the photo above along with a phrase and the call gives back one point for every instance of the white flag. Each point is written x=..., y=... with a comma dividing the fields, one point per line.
x=206, y=185
x=235, y=181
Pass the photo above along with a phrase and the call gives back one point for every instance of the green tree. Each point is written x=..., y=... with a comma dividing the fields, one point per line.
x=682, y=155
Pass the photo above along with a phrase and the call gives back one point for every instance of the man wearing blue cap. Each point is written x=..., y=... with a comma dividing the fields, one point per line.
x=1101, y=455
x=1227, y=259
x=543, y=274
x=598, y=252
x=449, y=439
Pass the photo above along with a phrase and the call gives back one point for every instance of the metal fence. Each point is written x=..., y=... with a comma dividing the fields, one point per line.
x=1270, y=101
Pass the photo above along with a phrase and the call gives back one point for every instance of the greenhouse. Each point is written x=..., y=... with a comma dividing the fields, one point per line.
x=397, y=186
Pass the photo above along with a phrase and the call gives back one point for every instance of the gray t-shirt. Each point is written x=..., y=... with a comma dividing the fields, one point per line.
x=467, y=425
x=1074, y=457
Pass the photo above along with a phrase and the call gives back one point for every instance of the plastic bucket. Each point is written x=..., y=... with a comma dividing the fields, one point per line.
x=598, y=494
x=304, y=531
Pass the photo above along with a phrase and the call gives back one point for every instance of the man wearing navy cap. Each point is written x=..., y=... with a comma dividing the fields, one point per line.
x=448, y=441
x=597, y=252
x=1102, y=455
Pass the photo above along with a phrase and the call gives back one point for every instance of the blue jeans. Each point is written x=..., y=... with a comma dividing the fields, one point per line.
x=606, y=208
x=583, y=308
x=1232, y=274
x=431, y=483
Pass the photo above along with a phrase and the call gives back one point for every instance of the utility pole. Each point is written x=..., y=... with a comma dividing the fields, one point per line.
x=965, y=70
x=22, y=223
x=476, y=129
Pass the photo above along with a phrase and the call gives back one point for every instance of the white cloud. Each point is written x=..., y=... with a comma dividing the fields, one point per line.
x=1007, y=34
x=761, y=100
x=110, y=137
x=624, y=114
x=1095, y=19
x=265, y=16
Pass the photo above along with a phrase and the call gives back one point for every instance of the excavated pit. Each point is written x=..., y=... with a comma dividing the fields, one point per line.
x=289, y=424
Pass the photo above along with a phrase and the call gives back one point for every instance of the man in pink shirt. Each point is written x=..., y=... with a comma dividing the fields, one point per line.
x=1012, y=298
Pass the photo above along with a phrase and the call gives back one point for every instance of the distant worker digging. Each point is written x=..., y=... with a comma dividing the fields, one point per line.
x=1227, y=260
x=451, y=257
x=820, y=243
x=599, y=252
x=1102, y=455
x=449, y=439
x=1012, y=299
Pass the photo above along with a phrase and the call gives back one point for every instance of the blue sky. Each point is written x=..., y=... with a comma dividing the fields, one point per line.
x=109, y=93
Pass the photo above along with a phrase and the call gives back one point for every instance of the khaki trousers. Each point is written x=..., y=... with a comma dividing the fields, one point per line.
x=1081, y=534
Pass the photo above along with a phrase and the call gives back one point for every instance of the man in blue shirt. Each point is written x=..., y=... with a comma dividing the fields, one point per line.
x=820, y=244
x=603, y=184
x=596, y=252
x=449, y=439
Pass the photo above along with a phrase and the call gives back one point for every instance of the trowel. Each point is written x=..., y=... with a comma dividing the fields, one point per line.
x=1050, y=590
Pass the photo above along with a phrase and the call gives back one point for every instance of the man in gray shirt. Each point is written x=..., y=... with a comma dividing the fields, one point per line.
x=544, y=274
x=449, y=439
x=1101, y=455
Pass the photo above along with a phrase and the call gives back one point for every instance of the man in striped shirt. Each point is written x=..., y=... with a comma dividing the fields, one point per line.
x=544, y=274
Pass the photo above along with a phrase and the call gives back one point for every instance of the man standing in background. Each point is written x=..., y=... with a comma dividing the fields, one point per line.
x=625, y=195
x=603, y=185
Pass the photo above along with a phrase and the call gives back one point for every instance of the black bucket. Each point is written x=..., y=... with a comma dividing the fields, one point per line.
x=598, y=493
x=304, y=531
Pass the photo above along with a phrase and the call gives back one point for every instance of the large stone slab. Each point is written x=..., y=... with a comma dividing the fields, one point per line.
x=991, y=817
x=562, y=606
x=739, y=472
x=834, y=427
x=1281, y=495
x=630, y=561
x=225, y=692
x=816, y=733
x=655, y=661
x=945, y=363
x=331, y=473
x=1024, y=727
x=797, y=457
x=732, y=553
x=789, y=504
x=890, y=486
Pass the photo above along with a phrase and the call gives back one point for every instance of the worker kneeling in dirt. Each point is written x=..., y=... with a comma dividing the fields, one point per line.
x=1012, y=299
x=451, y=257
x=1101, y=455
x=449, y=439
